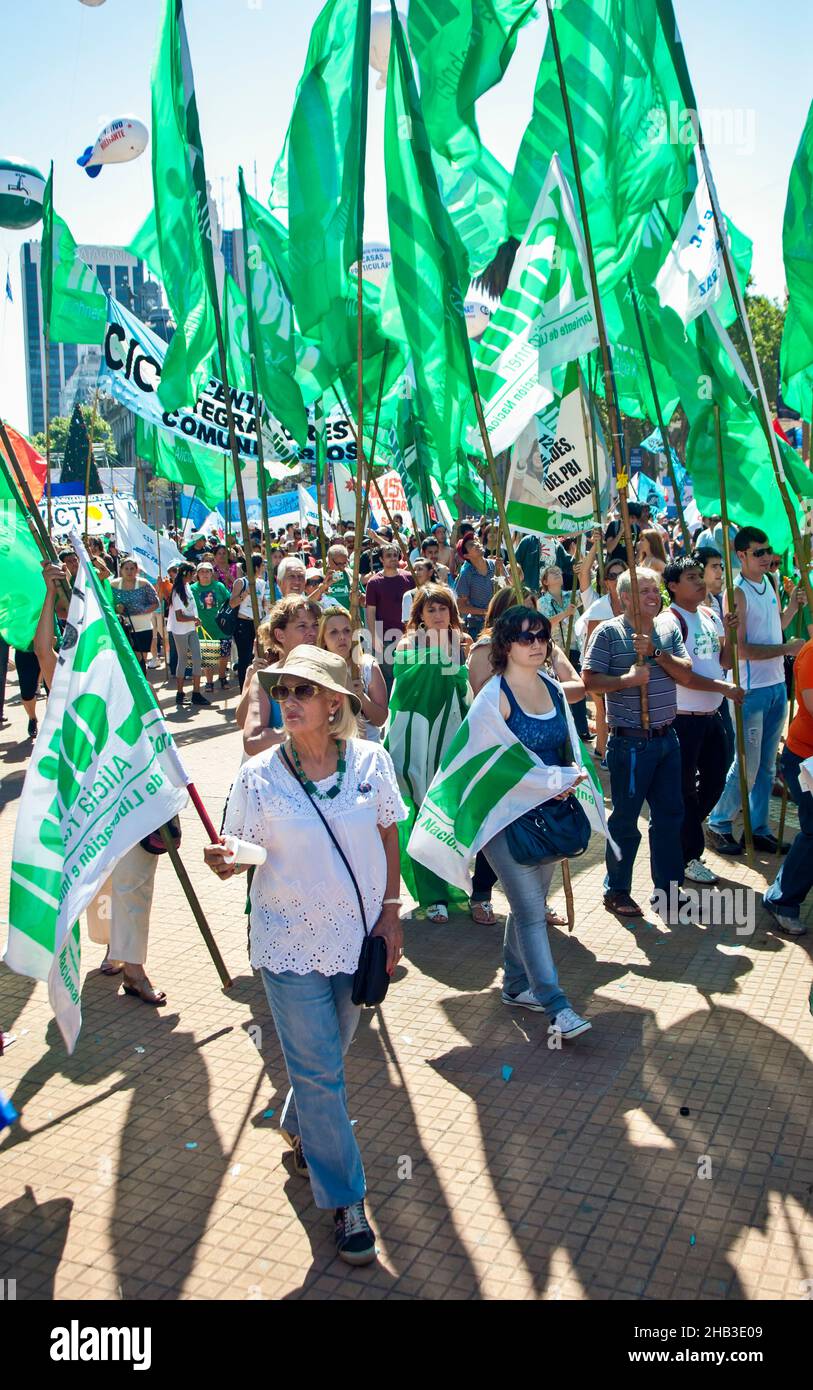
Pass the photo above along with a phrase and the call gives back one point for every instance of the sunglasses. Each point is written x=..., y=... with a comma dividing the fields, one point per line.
x=527, y=639
x=306, y=691
x=763, y=550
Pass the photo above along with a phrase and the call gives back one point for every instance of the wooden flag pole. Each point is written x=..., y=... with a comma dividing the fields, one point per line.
x=235, y=454
x=591, y=403
x=735, y=658
x=18, y=484
x=90, y=456
x=48, y=430
x=321, y=473
x=621, y=475
x=496, y=490
x=261, y=478
x=372, y=481
x=194, y=903
x=670, y=467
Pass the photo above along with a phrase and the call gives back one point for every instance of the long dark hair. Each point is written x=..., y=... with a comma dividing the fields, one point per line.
x=507, y=629
x=179, y=582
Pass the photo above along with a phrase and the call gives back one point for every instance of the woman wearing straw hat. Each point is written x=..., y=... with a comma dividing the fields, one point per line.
x=307, y=927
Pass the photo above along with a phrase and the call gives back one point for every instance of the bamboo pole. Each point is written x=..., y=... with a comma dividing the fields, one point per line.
x=591, y=402
x=606, y=359
x=735, y=659
x=194, y=903
x=261, y=478
x=372, y=482
x=90, y=456
x=235, y=454
x=320, y=449
x=670, y=467
x=48, y=429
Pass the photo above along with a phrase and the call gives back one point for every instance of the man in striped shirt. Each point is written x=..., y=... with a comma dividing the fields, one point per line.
x=644, y=763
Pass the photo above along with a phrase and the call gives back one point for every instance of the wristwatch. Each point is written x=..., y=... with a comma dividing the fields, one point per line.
x=656, y=652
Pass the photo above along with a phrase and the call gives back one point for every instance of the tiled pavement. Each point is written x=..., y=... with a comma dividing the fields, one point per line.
x=576, y=1178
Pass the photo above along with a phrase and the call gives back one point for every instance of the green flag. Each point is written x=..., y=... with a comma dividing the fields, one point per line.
x=183, y=462
x=621, y=81
x=22, y=588
x=74, y=305
x=182, y=224
x=796, y=358
x=462, y=48
x=319, y=177
x=427, y=268
x=270, y=321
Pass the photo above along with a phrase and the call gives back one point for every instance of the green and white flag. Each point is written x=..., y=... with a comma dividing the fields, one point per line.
x=103, y=774
x=487, y=780
x=546, y=317
x=796, y=360
x=550, y=483
x=74, y=305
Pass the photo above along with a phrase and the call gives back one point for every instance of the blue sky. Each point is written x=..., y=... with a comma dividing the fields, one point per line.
x=70, y=68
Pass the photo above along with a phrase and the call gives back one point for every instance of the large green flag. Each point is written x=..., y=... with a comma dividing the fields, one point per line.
x=427, y=268
x=462, y=48
x=270, y=321
x=183, y=462
x=182, y=222
x=796, y=358
x=74, y=305
x=22, y=588
x=621, y=80
x=319, y=177
x=476, y=196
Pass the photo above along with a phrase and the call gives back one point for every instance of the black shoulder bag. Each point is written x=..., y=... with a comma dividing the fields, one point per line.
x=371, y=981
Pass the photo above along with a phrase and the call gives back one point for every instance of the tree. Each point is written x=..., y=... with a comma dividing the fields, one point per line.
x=767, y=319
x=60, y=426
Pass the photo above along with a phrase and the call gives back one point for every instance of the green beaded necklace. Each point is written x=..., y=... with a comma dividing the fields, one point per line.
x=310, y=786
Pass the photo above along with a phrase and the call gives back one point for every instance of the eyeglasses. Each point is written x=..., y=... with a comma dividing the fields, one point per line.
x=527, y=639
x=763, y=550
x=306, y=691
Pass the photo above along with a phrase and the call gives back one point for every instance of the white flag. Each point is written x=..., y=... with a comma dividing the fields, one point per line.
x=691, y=278
x=308, y=510
x=103, y=774
x=140, y=541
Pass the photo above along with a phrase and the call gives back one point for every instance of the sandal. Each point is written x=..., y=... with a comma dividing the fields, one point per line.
x=144, y=992
x=553, y=919
x=482, y=914
x=622, y=904
x=111, y=967
x=438, y=912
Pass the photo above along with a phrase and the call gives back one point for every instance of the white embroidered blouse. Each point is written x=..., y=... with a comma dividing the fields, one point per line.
x=304, y=910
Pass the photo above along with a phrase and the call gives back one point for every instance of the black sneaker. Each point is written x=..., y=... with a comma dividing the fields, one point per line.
x=723, y=842
x=198, y=699
x=355, y=1242
x=33, y=728
x=179, y=699
x=769, y=843
x=300, y=1162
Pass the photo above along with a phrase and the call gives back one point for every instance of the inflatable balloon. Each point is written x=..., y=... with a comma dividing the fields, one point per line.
x=376, y=260
x=120, y=141
x=478, y=317
x=91, y=3
x=21, y=192
x=380, y=39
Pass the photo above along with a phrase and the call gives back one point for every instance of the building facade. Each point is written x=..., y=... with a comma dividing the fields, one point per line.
x=119, y=273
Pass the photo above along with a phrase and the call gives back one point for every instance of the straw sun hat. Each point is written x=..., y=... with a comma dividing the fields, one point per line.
x=325, y=669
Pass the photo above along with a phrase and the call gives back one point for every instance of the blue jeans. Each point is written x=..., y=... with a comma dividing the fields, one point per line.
x=795, y=878
x=527, y=959
x=315, y=1019
x=645, y=769
x=763, y=718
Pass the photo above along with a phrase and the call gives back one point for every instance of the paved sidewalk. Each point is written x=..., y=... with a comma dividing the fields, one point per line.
x=666, y=1154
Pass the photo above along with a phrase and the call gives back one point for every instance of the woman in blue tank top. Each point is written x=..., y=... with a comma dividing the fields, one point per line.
x=533, y=707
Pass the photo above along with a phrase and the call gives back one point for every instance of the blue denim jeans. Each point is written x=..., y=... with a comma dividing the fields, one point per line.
x=527, y=959
x=795, y=878
x=315, y=1019
x=763, y=718
x=645, y=770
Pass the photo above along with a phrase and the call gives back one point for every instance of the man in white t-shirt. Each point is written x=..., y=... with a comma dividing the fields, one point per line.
x=698, y=722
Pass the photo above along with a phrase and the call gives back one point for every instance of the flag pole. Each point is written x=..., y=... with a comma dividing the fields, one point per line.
x=235, y=454
x=735, y=657
x=90, y=456
x=321, y=472
x=672, y=34
x=194, y=903
x=372, y=481
x=670, y=467
x=621, y=476
x=18, y=483
x=48, y=431
x=363, y=39
x=261, y=478
x=591, y=403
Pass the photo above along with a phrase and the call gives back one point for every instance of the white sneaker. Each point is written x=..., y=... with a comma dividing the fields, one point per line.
x=698, y=872
x=153, y=663
x=570, y=1024
x=791, y=925
x=524, y=1000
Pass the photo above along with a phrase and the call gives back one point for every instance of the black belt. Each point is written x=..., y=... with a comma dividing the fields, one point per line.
x=660, y=732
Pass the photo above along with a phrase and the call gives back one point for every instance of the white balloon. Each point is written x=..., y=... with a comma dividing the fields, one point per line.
x=478, y=317
x=380, y=40
x=120, y=141
x=92, y=4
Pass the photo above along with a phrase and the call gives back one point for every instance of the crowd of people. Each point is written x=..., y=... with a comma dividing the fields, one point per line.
x=349, y=701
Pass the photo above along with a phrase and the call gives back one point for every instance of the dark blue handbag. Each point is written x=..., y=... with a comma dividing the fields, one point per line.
x=552, y=831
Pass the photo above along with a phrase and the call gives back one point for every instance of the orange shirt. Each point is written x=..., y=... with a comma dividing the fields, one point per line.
x=800, y=733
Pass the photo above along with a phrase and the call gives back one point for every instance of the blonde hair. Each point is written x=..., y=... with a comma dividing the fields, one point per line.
x=346, y=723
x=338, y=610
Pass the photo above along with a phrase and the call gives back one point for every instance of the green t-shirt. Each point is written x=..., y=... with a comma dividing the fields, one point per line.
x=208, y=599
x=339, y=591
